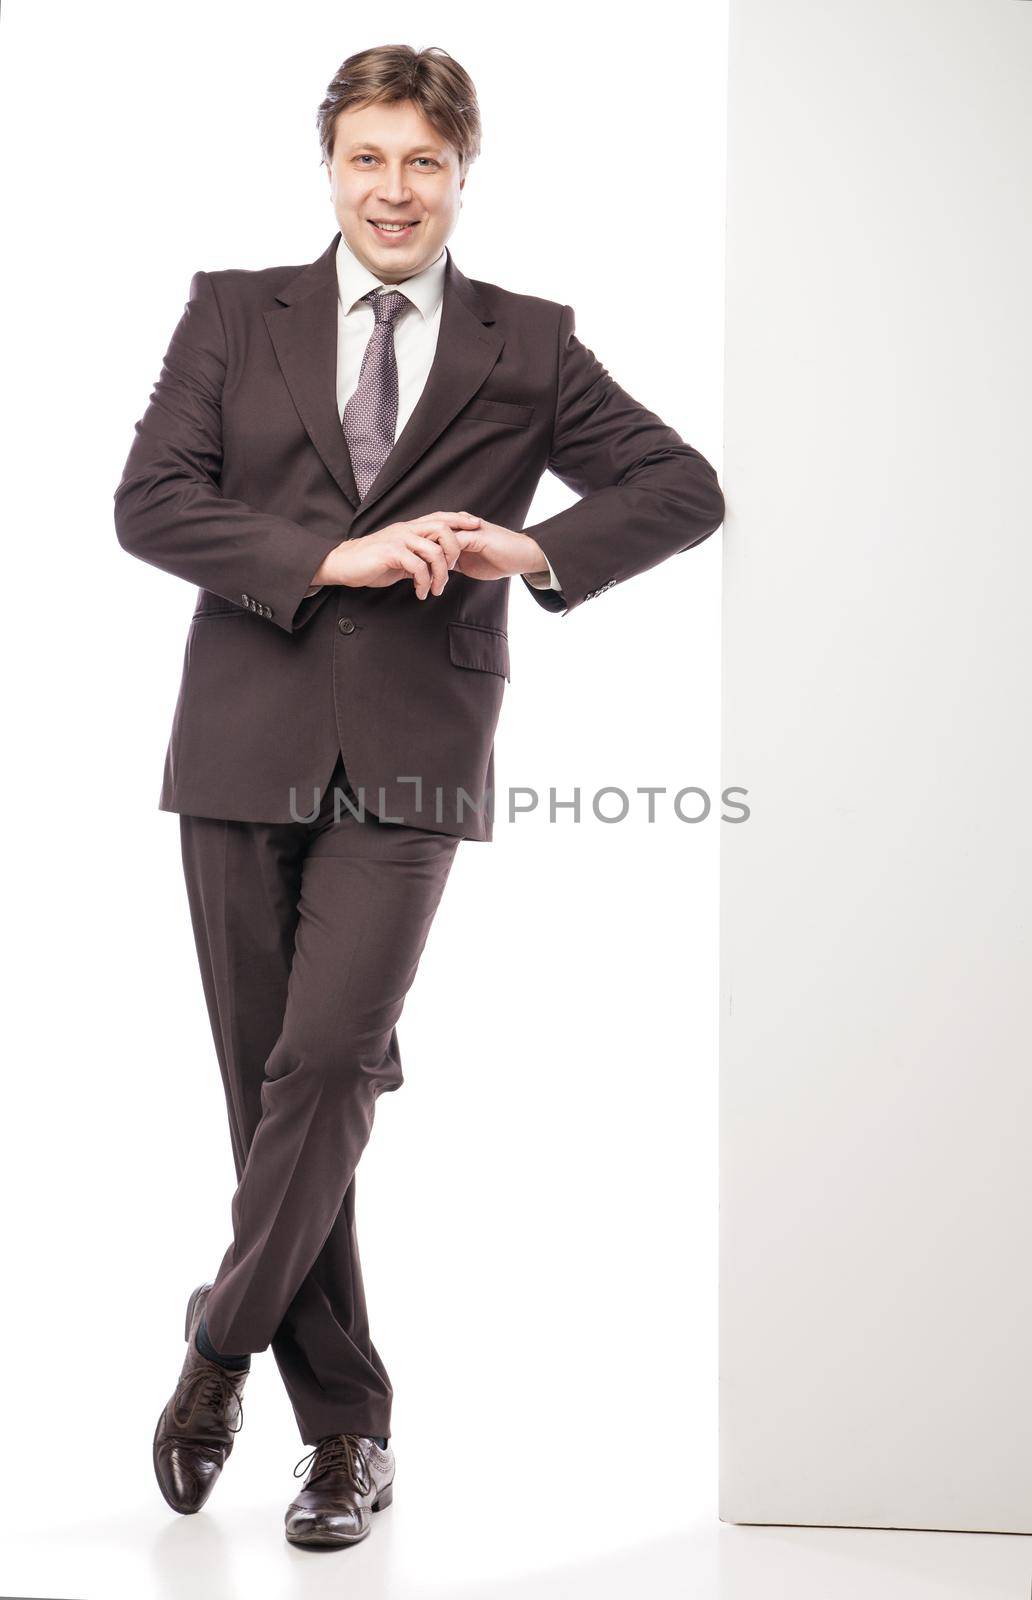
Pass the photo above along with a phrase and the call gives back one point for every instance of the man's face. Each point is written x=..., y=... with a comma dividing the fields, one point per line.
x=389, y=165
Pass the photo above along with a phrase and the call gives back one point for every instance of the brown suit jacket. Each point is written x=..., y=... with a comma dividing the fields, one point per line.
x=238, y=480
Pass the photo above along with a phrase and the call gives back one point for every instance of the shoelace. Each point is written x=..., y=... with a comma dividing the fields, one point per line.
x=212, y=1387
x=339, y=1450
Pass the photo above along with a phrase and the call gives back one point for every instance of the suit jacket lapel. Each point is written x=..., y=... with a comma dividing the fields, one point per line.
x=303, y=330
x=468, y=346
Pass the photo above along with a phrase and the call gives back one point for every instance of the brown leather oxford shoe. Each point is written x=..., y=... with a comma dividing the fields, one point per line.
x=349, y=1476
x=196, y=1430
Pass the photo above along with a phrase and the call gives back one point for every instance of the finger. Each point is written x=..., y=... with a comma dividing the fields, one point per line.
x=443, y=527
x=435, y=558
x=430, y=527
x=465, y=517
x=448, y=543
x=419, y=571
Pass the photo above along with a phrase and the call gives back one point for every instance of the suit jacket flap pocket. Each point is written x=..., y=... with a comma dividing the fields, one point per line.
x=485, y=649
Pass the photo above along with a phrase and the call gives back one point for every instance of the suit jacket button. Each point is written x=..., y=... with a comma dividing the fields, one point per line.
x=246, y=598
x=345, y=625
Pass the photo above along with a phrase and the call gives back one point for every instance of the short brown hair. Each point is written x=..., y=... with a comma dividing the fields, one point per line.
x=431, y=78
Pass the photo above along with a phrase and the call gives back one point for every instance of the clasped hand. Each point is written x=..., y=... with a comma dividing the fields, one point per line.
x=426, y=549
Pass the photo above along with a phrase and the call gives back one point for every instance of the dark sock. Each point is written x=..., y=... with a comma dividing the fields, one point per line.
x=381, y=1442
x=208, y=1350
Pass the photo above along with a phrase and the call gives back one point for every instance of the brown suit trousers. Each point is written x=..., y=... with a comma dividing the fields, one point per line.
x=309, y=935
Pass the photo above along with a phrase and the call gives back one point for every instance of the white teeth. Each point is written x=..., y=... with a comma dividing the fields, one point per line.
x=392, y=227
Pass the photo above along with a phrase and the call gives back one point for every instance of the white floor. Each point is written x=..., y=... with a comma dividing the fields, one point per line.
x=232, y=1551
x=606, y=1517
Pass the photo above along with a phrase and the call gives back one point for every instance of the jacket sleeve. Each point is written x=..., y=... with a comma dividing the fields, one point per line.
x=169, y=509
x=645, y=494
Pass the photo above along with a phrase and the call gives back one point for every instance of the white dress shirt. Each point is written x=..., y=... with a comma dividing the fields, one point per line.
x=415, y=341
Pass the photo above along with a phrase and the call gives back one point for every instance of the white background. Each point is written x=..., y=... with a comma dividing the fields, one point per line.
x=876, y=1018
x=537, y=1206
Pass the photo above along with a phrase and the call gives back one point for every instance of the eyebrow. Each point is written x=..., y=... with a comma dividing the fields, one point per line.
x=367, y=144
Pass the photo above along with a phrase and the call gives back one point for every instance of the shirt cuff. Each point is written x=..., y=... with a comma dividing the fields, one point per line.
x=538, y=582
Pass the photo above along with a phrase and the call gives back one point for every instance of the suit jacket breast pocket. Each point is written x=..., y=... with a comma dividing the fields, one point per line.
x=509, y=412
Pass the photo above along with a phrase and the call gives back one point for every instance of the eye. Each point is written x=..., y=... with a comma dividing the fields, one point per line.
x=428, y=159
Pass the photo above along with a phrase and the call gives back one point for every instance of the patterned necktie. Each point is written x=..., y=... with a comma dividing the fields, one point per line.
x=371, y=414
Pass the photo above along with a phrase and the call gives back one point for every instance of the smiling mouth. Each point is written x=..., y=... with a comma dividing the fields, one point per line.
x=391, y=227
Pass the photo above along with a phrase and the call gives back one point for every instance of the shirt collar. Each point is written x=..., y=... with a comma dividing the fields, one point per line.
x=425, y=289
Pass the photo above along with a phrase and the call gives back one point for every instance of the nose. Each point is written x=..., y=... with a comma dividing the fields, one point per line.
x=394, y=189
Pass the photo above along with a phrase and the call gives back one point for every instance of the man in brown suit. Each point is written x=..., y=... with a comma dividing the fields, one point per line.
x=342, y=680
